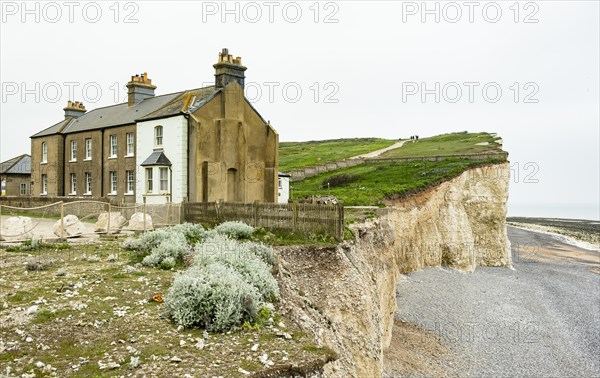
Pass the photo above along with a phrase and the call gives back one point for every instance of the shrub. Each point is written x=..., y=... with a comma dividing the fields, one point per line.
x=194, y=233
x=236, y=230
x=172, y=248
x=146, y=242
x=213, y=296
x=339, y=180
x=262, y=251
x=245, y=258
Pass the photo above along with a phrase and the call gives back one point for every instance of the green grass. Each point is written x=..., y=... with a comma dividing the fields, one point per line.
x=295, y=155
x=446, y=144
x=379, y=181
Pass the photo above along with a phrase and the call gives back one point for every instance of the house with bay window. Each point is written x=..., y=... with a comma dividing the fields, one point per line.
x=199, y=145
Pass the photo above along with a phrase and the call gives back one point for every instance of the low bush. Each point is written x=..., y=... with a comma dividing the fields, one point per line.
x=236, y=230
x=214, y=296
x=194, y=233
x=339, y=180
x=171, y=249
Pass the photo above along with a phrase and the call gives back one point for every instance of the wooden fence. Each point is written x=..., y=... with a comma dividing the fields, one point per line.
x=304, y=218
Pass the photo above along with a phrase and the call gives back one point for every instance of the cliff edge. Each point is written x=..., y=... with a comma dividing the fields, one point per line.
x=346, y=296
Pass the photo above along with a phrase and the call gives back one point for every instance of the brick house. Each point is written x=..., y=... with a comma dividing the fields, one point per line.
x=199, y=145
x=15, y=176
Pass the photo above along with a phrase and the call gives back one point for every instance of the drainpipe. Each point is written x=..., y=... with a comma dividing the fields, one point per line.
x=187, y=117
x=101, y=163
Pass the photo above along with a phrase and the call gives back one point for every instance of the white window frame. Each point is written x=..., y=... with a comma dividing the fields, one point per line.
x=149, y=180
x=158, y=136
x=162, y=180
x=130, y=144
x=22, y=191
x=130, y=182
x=88, y=149
x=44, y=152
x=44, y=185
x=114, y=148
x=73, y=150
x=73, y=182
x=88, y=184
x=113, y=182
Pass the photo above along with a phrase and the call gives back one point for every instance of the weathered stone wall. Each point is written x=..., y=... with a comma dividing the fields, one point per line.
x=347, y=296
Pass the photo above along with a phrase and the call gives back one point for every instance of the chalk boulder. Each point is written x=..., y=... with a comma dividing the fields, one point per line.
x=72, y=225
x=136, y=223
x=117, y=221
x=16, y=228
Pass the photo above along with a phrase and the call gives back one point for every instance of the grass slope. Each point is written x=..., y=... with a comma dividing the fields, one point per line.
x=370, y=184
x=447, y=144
x=294, y=155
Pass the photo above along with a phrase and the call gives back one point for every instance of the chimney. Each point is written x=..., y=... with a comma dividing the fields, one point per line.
x=139, y=89
x=228, y=69
x=74, y=109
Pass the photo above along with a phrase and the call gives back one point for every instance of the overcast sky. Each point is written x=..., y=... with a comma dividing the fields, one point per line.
x=336, y=70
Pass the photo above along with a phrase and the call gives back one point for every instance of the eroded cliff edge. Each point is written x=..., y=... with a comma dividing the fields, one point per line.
x=346, y=296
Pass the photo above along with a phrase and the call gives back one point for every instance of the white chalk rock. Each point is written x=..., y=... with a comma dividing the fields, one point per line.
x=16, y=228
x=136, y=223
x=117, y=221
x=72, y=225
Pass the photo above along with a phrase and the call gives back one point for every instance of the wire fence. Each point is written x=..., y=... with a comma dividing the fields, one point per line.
x=82, y=219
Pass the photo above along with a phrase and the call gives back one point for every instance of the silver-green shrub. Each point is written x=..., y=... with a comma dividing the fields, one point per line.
x=172, y=248
x=246, y=258
x=213, y=296
x=194, y=233
x=236, y=230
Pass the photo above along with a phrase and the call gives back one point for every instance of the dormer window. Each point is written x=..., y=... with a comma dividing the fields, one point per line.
x=158, y=136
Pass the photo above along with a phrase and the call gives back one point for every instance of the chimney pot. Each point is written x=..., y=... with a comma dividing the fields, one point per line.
x=139, y=89
x=228, y=69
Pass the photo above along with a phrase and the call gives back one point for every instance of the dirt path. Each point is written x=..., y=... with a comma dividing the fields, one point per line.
x=540, y=319
x=379, y=152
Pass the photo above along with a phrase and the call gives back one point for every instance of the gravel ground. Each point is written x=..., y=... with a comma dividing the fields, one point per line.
x=540, y=319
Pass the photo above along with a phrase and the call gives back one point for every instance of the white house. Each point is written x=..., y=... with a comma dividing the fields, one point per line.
x=162, y=159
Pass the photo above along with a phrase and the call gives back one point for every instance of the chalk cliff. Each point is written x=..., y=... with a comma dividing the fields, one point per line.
x=346, y=296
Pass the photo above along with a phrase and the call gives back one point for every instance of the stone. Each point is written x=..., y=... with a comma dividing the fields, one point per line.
x=175, y=359
x=16, y=229
x=136, y=223
x=72, y=227
x=117, y=221
x=32, y=310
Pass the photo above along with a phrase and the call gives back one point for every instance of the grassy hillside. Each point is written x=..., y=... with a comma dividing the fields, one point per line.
x=447, y=144
x=294, y=155
x=369, y=184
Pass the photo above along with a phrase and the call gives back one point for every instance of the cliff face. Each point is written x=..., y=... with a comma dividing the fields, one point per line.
x=347, y=296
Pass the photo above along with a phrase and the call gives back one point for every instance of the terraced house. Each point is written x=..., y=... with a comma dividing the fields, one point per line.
x=199, y=145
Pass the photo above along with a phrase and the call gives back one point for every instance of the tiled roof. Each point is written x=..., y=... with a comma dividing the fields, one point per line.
x=157, y=157
x=20, y=165
x=122, y=114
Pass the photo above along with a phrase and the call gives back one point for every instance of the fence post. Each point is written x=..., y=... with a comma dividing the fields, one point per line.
x=62, y=221
x=0, y=221
x=340, y=230
x=145, y=210
x=108, y=221
x=294, y=215
x=255, y=213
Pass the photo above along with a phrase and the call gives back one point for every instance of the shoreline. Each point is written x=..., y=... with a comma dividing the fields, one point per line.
x=579, y=243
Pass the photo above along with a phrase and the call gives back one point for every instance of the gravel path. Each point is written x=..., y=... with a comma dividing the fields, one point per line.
x=540, y=319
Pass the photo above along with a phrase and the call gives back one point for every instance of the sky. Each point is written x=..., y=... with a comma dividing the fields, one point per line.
x=528, y=71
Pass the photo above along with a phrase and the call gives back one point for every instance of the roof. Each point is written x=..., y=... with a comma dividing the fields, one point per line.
x=188, y=101
x=20, y=165
x=157, y=157
x=122, y=114
x=281, y=174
